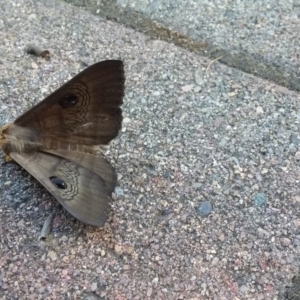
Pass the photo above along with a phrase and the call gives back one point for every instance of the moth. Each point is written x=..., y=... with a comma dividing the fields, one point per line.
x=55, y=140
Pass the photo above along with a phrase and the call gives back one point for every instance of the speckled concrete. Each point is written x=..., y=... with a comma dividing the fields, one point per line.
x=194, y=130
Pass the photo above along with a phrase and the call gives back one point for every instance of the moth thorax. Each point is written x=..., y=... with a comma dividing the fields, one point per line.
x=19, y=139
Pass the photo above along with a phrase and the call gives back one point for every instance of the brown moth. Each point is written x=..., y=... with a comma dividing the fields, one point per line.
x=55, y=140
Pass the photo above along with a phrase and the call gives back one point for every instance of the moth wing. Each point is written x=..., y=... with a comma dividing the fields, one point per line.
x=85, y=110
x=96, y=164
x=80, y=191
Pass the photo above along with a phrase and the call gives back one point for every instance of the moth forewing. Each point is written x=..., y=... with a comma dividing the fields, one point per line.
x=51, y=140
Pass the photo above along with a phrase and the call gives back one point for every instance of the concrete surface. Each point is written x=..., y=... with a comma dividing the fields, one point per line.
x=258, y=37
x=207, y=205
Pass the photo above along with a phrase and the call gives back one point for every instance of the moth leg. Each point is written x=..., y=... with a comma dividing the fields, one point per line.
x=8, y=158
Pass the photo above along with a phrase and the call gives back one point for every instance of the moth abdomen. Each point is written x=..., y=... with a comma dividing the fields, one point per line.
x=18, y=139
x=53, y=143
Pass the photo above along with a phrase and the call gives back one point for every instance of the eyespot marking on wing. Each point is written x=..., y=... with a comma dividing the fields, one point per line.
x=59, y=183
x=69, y=100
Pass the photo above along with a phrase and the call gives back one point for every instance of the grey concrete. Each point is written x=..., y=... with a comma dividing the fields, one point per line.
x=257, y=37
x=195, y=133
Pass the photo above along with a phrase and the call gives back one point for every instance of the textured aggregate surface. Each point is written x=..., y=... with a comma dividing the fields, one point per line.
x=255, y=26
x=207, y=205
x=260, y=37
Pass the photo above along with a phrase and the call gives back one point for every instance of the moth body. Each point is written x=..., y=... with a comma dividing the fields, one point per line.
x=18, y=139
x=55, y=140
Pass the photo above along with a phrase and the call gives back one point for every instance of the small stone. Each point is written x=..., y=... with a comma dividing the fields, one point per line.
x=126, y=120
x=263, y=150
x=285, y=242
x=296, y=222
x=187, y=88
x=296, y=242
x=243, y=289
x=222, y=237
x=94, y=286
x=294, y=139
x=259, y=110
x=259, y=199
x=149, y=291
x=118, y=248
x=222, y=143
x=297, y=155
x=215, y=262
x=292, y=149
x=34, y=65
x=119, y=191
x=262, y=233
x=65, y=259
x=199, y=76
x=197, y=185
x=21, y=224
x=249, y=245
x=204, y=209
x=52, y=255
x=64, y=238
x=296, y=198
x=155, y=280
